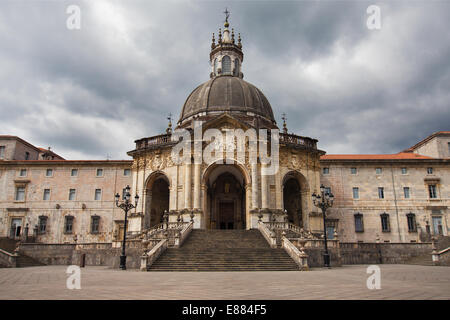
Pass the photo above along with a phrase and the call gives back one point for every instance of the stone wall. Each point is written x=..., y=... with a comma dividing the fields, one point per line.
x=365, y=253
x=96, y=254
x=49, y=253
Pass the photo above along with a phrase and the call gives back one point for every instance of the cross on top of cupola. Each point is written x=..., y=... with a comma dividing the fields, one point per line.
x=226, y=56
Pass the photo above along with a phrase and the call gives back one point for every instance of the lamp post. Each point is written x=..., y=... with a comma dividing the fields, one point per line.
x=324, y=200
x=126, y=206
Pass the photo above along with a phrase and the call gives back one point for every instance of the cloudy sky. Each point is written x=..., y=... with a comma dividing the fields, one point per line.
x=90, y=93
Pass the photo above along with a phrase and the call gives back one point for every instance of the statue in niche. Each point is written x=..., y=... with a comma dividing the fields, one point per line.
x=227, y=187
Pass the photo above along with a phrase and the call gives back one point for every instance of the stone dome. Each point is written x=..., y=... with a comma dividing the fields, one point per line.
x=227, y=94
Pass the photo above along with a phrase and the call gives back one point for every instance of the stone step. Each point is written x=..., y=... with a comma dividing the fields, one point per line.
x=26, y=261
x=224, y=250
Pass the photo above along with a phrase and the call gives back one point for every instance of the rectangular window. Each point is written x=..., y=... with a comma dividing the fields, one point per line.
x=411, y=217
x=327, y=190
x=430, y=170
x=326, y=170
x=46, y=194
x=98, y=194
x=99, y=172
x=95, y=223
x=378, y=170
x=68, y=224
x=23, y=173
x=404, y=171
x=72, y=194
x=381, y=192
x=2, y=152
x=49, y=173
x=355, y=193
x=359, y=224
x=385, y=224
x=42, y=227
x=330, y=232
x=406, y=192
x=127, y=172
x=353, y=170
x=74, y=173
x=432, y=191
x=20, y=193
x=123, y=193
x=27, y=156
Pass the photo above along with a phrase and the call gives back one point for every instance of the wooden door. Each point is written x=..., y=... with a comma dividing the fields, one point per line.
x=226, y=215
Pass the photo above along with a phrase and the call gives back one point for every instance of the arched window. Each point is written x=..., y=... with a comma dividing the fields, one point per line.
x=226, y=65
x=236, y=67
x=215, y=66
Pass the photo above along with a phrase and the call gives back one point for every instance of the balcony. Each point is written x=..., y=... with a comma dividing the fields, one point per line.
x=165, y=140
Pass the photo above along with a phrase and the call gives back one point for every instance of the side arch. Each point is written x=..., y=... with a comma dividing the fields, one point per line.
x=157, y=194
x=295, y=197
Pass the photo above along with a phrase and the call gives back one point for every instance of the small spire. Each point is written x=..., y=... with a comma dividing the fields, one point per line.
x=169, y=127
x=220, y=36
x=239, y=40
x=232, y=35
x=213, y=44
x=284, y=123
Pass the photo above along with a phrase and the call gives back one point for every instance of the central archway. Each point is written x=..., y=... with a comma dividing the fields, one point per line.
x=225, y=197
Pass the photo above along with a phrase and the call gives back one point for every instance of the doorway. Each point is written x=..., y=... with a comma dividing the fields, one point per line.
x=16, y=227
x=225, y=200
x=437, y=226
x=226, y=215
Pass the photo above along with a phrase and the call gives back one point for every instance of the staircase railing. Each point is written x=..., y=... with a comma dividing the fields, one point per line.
x=8, y=259
x=148, y=258
x=267, y=234
x=299, y=256
x=185, y=232
x=441, y=258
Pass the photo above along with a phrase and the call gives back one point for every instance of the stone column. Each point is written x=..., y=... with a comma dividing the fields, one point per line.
x=197, y=204
x=187, y=186
x=278, y=191
x=254, y=172
x=173, y=190
x=264, y=189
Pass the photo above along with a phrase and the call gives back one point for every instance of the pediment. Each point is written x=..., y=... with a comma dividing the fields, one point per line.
x=225, y=121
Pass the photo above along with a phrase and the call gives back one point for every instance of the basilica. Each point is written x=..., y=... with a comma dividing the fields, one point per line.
x=387, y=199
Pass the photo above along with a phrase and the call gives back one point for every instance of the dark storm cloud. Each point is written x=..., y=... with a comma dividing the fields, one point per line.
x=90, y=93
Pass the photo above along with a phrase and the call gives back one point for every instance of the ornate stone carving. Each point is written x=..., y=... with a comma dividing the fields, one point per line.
x=158, y=162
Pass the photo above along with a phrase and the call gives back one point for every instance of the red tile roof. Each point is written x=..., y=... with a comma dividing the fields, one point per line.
x=396, y=156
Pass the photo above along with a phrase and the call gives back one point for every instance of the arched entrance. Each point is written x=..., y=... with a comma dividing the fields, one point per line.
x=292, y=201
x=157, y=199
x=295, y=196
x=225, y=198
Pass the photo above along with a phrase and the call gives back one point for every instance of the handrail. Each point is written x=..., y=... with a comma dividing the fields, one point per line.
x=185, y=232
x=147, y=259
x=291, y=227
x=8, y=259
x=267, y=234
x=299, y=257
x=8, y=253
x=444, y=251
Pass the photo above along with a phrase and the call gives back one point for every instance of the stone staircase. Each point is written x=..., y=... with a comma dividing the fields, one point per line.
x=27, y=261
x=224, y=250
x=442, y=242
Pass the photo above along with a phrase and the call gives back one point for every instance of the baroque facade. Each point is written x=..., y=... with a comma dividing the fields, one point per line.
x=402, y=197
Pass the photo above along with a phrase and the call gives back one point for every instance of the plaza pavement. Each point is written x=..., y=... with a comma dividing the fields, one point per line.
x=347, y=282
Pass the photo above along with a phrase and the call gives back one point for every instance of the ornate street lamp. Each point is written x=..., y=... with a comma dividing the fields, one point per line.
x=324, y=200
x=126, y=206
